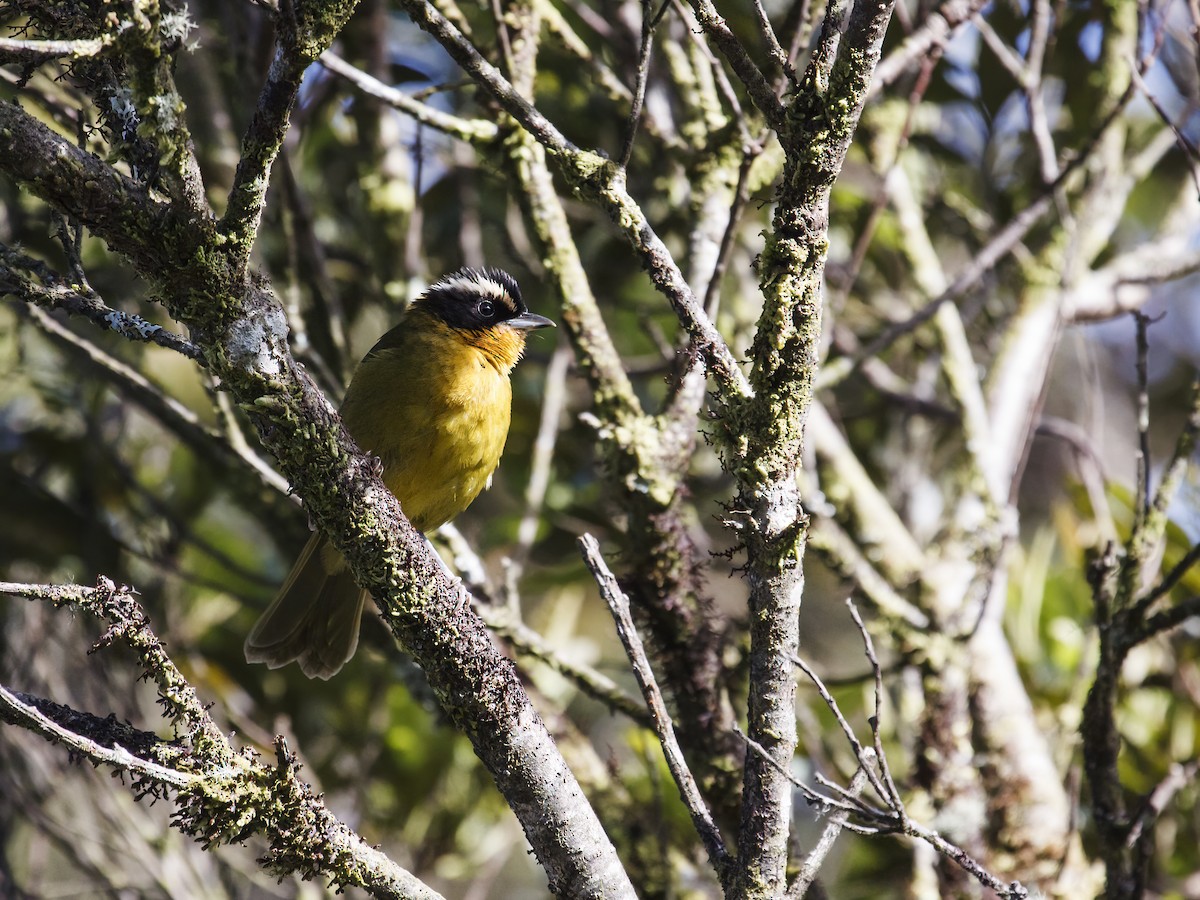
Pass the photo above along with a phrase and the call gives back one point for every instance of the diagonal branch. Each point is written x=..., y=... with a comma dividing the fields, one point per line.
x=602, y=182
x=112, y=205
x=618, y=605
x=242, y=327
x=173, y=415
x=103, y=741
x=761, y=92
x=53, y=291
x=473, y=131
x=303, y=29
x=221, y=795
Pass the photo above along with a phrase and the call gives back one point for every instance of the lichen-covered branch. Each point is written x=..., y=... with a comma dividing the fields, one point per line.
x=304, y=30
x=222, y=795
x=34, y=282
x=1122, y=620
x=763, y=436
x=240, y=325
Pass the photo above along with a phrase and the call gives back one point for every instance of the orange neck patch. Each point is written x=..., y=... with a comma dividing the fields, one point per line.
x=501, y=344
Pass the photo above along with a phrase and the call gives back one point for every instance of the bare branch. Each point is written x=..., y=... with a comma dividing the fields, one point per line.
x=1178, y=777
x=833, y=827
x=1141, y=503
x=172, y=414
x=1152, y=524
x=1171, y=579
x=885, y=823
x=618, y=605
x=473, y=131
x=760, y=90
x=649, y=24
x=934, y=33
x=13, y=50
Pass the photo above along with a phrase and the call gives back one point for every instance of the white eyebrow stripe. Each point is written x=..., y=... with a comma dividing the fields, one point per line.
x=478, y=284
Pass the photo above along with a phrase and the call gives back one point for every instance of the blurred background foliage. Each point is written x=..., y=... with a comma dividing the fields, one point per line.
x=366, y=208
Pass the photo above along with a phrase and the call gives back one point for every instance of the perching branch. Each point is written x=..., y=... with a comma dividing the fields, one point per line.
x=237, y=320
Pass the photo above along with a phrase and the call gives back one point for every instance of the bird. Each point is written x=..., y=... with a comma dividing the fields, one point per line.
x=432, y=400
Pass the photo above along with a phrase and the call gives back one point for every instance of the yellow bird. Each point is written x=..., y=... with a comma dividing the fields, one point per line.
x=433, y=401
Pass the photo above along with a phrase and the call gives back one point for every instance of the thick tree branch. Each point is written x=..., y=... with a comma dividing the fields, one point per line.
x=79, y=183
x=243, y=331
x=764, y=436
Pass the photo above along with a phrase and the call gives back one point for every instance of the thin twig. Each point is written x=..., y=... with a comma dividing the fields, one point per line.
x=893, y=794
x=1149, y=531
x=816, y=857
x=934, y=33
x=995, y=250
x=730, y=46
x=24, y=711
x=1179, y=776
x=17, y=273
x=1181, y=455
x=618, y=604
x=554, y=400
x=172, y=414
x=1189, y=148
x=1162, y=622
x=595, y=684
x=1012, y=891
x=1142, y=455
x=1091, y=469
x=474, y=131
x=741, y=195
x=649, y=23
x=1171, y=579
x=824, y=803
x=860, y=753
x=767, y=30
x=300, y=36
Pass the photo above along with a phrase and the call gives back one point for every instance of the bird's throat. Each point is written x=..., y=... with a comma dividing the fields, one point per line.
x=502, y=346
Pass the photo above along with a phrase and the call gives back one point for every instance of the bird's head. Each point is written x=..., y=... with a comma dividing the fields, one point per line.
x=484, y=307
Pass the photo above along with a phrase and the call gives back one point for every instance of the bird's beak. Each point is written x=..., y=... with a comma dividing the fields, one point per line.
x=528, y=322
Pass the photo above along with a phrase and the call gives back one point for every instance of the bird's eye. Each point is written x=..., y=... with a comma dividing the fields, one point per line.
x=486, y=309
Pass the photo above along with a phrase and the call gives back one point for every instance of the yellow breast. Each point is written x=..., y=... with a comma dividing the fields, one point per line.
x=434, y=403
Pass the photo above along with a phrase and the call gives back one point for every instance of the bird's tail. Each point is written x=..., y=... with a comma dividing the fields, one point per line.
x=315, y=618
